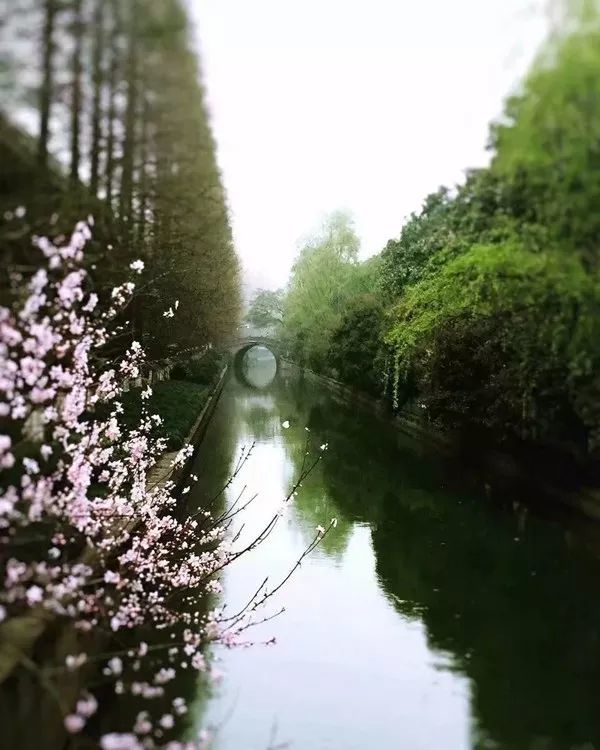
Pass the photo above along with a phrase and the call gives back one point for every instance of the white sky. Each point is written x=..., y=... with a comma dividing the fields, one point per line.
x=366, y=105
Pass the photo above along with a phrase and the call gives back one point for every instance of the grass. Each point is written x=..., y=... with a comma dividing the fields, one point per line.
x=178, y=402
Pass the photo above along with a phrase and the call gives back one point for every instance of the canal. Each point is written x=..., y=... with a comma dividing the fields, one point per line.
x=429, y=617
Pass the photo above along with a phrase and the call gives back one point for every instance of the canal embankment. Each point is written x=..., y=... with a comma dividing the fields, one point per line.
x=543, y=473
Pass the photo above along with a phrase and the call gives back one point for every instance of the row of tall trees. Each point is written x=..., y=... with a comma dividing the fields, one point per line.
x=111, y=91
x=486, y=310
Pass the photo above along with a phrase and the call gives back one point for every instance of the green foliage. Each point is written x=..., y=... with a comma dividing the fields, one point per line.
x=325, y=278
x=266, y=309
x=506, y=338
x=488, y=208
x=178, y=403
x=203, y=369
x=423, y=236
x=549, y=136
x=488, y=303
x=129, y=108
x=493, y=287
x=355, y=346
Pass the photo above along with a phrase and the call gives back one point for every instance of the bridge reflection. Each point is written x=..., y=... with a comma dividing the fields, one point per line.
x=255, y=364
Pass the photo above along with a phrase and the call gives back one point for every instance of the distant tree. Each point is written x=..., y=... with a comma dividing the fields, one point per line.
x=325, y=277
x=266, y=308
x=126, y=190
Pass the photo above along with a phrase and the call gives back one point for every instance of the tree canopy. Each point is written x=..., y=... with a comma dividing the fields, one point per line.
x=123, y=134
x=266, y=309
x=325, y=277
x=485, y=309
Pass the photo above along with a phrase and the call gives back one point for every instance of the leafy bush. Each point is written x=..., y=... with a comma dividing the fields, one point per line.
x=490, y=299
x=326, y=278
x=506, y=338
x=549, y=134
x=354, y=350
x=178, y=403
x=203, y=370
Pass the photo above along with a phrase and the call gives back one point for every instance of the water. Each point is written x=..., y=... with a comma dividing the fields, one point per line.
x=430, y=617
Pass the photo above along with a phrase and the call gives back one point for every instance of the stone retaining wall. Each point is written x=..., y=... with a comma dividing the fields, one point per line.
x=586, y=501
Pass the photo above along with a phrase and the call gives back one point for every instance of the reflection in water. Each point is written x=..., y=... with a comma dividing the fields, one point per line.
x=429, y=618
x=258, y=367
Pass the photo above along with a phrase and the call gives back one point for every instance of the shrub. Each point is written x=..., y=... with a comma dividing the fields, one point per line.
x=507, y=338
x=178, y=403
x=355, y=346
x=203, y=369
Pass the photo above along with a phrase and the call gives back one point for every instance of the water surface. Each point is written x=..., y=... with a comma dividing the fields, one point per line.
x=430, y=617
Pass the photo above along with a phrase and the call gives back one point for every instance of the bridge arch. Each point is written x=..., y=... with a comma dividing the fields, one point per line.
x=240, y=348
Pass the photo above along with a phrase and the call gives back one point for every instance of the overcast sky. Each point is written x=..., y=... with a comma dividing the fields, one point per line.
x=366, y=105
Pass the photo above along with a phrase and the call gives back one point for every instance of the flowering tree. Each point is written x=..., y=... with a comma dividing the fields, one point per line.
x=85, y=538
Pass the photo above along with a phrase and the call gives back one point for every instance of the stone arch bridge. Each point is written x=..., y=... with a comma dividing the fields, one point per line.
x=243, y=343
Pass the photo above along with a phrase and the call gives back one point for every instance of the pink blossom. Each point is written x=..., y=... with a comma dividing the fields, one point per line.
x=31, y=369
x=41, y=339
x=164, y=675
x=115, y=741
x=74, y=662
x=74, y=405
x=87, y=706
x=115, y=623
x=90, y=305
x=62, y=378
x=142, y=724
x=130, y=529
x=19, y=410
x=31, y=466
x=167, y=721
x=38, y=281
x=34, y=594
x=74, y=723
x=41, y=395
x=69, y=291
x=9, y=335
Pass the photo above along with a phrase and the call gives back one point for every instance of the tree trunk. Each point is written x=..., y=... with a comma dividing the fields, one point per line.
x=98, y=79
x=76, y=98
x=46, y=89
x=143, y=166
x=128, y=161
x=112, y=110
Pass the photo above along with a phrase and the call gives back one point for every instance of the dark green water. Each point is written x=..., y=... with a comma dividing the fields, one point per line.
x=431, y=617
